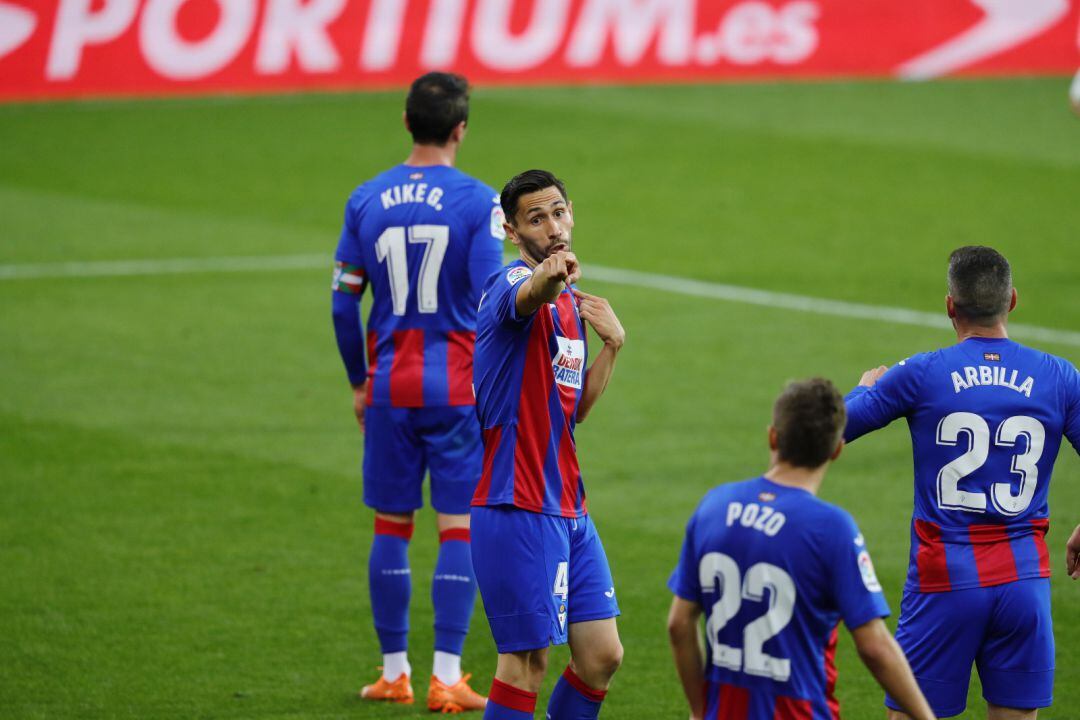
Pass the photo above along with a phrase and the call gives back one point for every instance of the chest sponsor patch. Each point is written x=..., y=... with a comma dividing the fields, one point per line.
x=517, y=274
x=569, y=364
x=866, y=569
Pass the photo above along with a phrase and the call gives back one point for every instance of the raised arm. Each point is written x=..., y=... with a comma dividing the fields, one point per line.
x=546, y=282
x=882, y=395
x=886, y=662
x=598, y=313
x=685, y=637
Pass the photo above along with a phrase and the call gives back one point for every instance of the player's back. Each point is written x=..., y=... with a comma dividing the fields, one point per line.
x=986, y=417
x=775, y=570
x=424, y=238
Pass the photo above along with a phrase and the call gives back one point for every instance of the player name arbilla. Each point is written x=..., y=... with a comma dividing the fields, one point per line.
x=984, y=375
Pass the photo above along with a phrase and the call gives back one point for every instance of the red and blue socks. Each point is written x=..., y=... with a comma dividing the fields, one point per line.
x=572, y=699
x=506, y=702
x=390, y=584
x=453, y=593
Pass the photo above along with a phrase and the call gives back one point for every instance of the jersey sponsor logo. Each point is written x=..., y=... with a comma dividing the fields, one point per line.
x=992, y=357
x=517, y=274
x=866, y=569
x=569, y=364
x=986, y=375
x=498, y=217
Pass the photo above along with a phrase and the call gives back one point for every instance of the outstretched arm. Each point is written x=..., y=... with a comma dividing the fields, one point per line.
x=882, y=395
x=598, y=313
x=686, y=647
x=885, y=660
x=546, y=282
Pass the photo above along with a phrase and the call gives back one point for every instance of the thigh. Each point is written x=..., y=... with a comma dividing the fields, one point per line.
x=1016, y=660
x=393, y=461
x=455, y=455
x=940, y=633
x=591, y=587
x=518, y=556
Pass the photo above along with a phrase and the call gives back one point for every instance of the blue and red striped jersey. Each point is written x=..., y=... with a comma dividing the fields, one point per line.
x=425, y=239
x=529, y=373
x=775, y=570
x=986, y=417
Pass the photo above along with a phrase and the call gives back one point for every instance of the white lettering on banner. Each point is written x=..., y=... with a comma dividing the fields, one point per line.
x=632, y=26
x=77, y=26
x=442, y=33
x=754, y=32
x=177, y=58
x=382, y=34
x=17, y=24
x=495, y=46
x=293, y=27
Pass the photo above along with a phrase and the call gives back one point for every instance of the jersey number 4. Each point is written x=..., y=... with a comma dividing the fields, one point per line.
x=721, y=571
x=390, y=247
x=952, y=426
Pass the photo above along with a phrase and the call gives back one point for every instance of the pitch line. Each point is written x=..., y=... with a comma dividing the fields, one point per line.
x=617, y=276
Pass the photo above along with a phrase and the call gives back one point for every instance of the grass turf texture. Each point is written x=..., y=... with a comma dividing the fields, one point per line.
x=181, y=533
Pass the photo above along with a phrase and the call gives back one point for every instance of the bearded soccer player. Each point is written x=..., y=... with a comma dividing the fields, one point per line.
x=776, y=570
x=424, y=236
x=986, y=416
x=541, y=568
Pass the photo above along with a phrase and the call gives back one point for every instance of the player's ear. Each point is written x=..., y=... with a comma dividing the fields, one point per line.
x=405, y=121
x=1012, y=300
x=950, y=306
x=774, y=439
x=458, y=133
x=511, y=235
x=839, y=449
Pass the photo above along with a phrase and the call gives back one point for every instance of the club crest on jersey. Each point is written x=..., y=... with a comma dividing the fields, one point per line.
x=569, y=364
x=866, y=569
x=992, y=357
x=517, y=274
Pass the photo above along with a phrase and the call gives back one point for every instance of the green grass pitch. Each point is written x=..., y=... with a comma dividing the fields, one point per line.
x=181, y=532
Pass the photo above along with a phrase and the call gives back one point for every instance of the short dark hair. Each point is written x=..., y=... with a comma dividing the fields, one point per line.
x=524, y=183
x=980, y=284
x=809, y=419
x=437, y=102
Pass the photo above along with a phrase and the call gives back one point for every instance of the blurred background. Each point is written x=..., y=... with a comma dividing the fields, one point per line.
x=760, y=190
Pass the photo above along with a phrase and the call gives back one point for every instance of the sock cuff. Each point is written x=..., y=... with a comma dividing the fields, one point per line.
x=578, y=684
x=461, y=534
x=396, y=529
x=511, y=697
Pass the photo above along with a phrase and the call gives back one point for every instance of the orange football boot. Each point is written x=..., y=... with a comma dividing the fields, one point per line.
x=455, y=698
x=399, y=691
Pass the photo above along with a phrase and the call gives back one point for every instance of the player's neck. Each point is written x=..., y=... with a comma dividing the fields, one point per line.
x=788, y=475
x=427, y=155
x=996, y=331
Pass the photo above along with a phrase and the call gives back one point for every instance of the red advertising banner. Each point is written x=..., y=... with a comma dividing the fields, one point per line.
x=77, y=48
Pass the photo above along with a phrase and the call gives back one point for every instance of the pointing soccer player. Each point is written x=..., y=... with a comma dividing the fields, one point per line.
x=986, y=416
x=541, y=568
x=776, y=569
x=425, y=237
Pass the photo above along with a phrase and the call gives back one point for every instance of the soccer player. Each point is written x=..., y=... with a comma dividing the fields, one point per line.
x=986, y=417
x=776, y=569
x=425, y=236
x=541, y=568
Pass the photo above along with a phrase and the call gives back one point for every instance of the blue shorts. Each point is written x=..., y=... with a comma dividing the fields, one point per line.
x=401, y=445
x=538, y=574
x=1005, y=630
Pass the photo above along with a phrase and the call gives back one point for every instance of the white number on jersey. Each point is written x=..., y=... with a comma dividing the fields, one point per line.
x=719, y=568
x=950, y=497
x=390, y=247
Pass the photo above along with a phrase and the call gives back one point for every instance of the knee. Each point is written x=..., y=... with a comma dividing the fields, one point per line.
x=612, y=659
x=602, y=663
